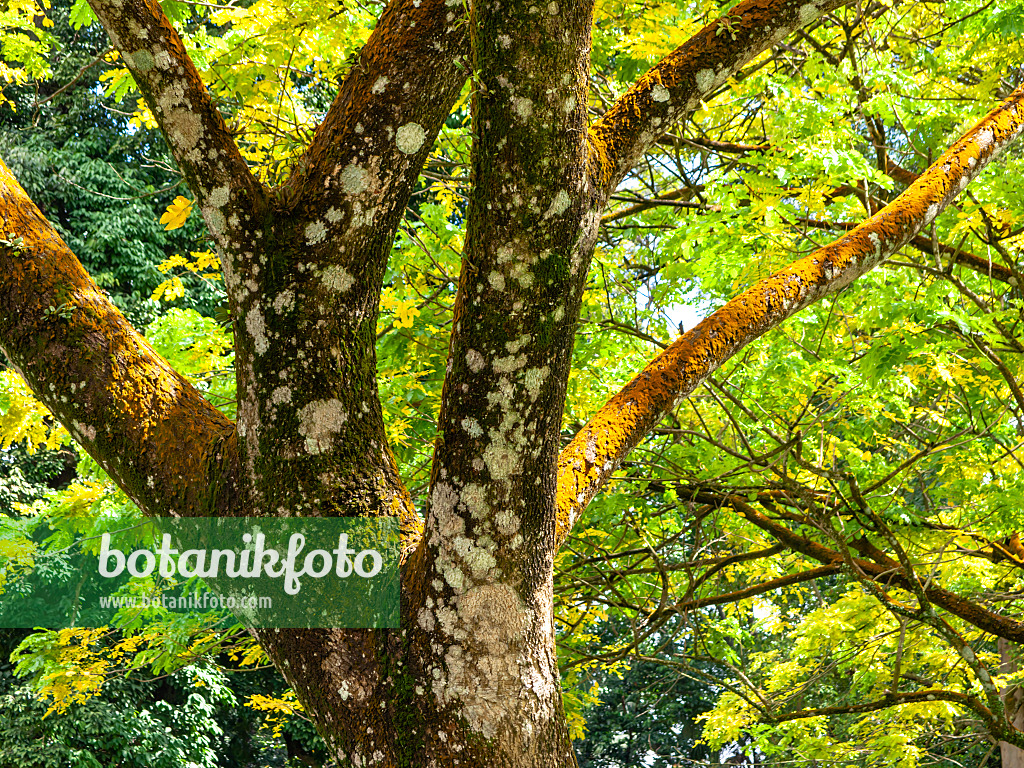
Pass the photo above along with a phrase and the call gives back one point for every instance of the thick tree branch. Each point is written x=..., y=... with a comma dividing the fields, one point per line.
x=983, y=266
x=488, y=550
x=587, y=462
x=170, y=450
x=886, y=572
x=675, y=86
x=890, y=700
x=528, y=235
x=195, y=131
x=752, y=591
x=382, y=124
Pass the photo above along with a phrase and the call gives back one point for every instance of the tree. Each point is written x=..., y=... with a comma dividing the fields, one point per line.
x=471, y=678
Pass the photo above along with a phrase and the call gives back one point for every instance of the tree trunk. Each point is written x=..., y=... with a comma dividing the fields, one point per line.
x=470, y=679
x=1011, y=755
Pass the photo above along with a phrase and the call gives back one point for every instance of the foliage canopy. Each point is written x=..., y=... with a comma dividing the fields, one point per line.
x=823, y=538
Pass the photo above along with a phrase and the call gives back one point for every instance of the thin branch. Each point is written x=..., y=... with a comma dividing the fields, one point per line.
x=586, y=463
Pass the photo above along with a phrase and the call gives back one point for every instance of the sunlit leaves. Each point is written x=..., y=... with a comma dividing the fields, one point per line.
x=276, y=708
x=65, y=666
x=200, y=348
x=177, y=212
x=81, y=14
x=24, y=43
x=23, y=417
x=198, y=265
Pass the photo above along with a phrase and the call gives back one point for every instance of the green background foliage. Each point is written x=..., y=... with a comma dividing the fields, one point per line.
x=885, y=417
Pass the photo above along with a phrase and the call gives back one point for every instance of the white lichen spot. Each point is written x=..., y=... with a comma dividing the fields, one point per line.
x=660, y=93
x=86, y=431
x=534, y=379
x=479, y=560
x=931, y=213
x=510, y=363
x=137, y=29
x=163, y=59
x=457, y=581
x=517, y=344
x=184, y=127
x=380, y=85
x=319, y=422
x=553, y=8
x=354, y=179
x=497, y=281
x=472, y=427
x=507, y=522
x=705, y=79
x=522, y=106
x=284, y=301
x=257, y=329
x=501, y=459
x=410, y=138
x=338, y=278
x=473, y=497
x=343, y=691
x=505, y=41
x=475, y=361
x=333, y=215
x=315, y=232
x=361, y=218
x=219, y=197
x=558, y=205
x=808, y=12
x=281, y=395
x=426, y=620
x=877, y=242
x=142, y=60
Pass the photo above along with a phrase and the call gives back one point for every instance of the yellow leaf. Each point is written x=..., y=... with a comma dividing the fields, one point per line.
x=405, y=313
x=176, y=213
x=143, y=118
x=171, y=262
x=169, y=290
x=206, y=259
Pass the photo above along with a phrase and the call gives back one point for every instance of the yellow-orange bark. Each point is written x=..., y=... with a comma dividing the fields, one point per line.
x=587, y=462
x=145, y=424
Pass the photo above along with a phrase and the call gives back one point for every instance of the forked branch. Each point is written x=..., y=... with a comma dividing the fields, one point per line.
x=390, y=106
x=195, y=131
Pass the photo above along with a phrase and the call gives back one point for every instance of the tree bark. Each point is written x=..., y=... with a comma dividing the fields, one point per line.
x=1011, y=755
x=471, y=678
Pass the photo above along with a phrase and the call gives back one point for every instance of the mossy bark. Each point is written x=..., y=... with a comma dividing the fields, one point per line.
x=470, y=679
